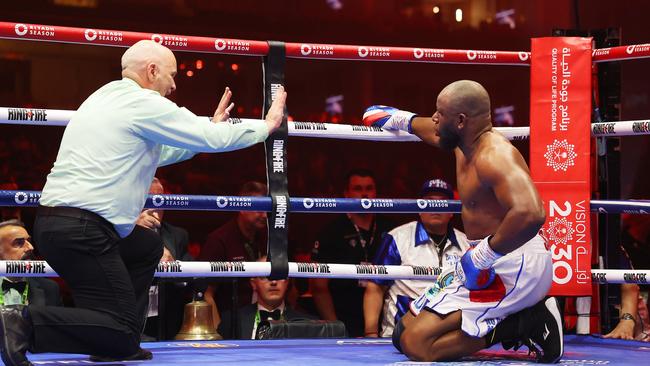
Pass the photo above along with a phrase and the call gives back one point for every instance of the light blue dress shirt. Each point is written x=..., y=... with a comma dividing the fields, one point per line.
x=118, y=137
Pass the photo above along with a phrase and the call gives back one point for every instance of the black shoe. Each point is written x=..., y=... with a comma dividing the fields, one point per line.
x=141, y=355
x=15, y=334
x=545, y=337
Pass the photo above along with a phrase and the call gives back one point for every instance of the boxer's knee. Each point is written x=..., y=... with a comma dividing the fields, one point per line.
x=411, y=345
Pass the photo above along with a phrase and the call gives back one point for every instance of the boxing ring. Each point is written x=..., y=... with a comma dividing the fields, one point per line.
x=579, y=350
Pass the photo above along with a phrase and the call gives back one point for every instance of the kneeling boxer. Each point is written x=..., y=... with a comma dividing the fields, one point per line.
x=508, y=269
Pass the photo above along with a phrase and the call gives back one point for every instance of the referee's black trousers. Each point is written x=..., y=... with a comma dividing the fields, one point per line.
x=109, y=279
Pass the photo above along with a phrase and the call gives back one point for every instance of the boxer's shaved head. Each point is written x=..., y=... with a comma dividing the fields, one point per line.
x=462, y=107
x=467, y=96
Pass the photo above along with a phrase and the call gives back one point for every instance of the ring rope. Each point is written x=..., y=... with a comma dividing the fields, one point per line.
x=14, y=198
x=60, y=117
x=621, y=53
x=185, y=269
x=117, y=38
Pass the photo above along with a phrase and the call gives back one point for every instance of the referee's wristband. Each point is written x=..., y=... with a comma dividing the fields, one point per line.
x=627, y=316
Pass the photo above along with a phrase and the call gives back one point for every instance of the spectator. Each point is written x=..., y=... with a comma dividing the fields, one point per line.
x=241, y=239
x=630, y=324
x=270, y=304
x=15, y=245
x=430, y=241
x=351, y=239
x=175, y=240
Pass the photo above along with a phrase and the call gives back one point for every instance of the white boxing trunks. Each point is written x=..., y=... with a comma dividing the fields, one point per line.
x=523, y=278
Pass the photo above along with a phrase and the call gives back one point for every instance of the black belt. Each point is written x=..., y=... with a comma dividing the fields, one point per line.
x=72, y=212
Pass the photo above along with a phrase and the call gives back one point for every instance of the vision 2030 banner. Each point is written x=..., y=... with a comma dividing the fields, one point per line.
x=560, y=107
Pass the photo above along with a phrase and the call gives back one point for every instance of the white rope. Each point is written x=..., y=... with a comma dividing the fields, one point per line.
x=59, y=117
x=246, y=269
x=183, y=269
x=620, y=276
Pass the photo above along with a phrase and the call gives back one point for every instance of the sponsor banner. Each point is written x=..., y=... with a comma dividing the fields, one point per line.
x=26, y=268
x=319, y=203
x=635, y=278
x=198, y=202
x=27, y=115
x=641, y=127
x=618, y=207
x=107, y=37
x=170, y=267
x=620, y=276
x=227, y=267
x=384, y=53
x=560, y=155
x=426, y=271
x=216, y=203
x=185, y=269
x=35, y=116
x=313, y=268
x=20, y=198
x=622, y=53
x=362, y=271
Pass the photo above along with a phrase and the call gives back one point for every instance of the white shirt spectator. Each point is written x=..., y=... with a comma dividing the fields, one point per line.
x=411, y=245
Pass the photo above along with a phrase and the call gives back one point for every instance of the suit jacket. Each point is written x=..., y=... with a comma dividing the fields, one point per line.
x=176, y=241
x=247, y=321
x=43, y=292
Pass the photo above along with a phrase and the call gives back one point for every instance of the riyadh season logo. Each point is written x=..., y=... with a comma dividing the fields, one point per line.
x=158, y=200
x=21, y=29
x=422, y=204
x=222, y=201
x=560, y=155
x=305, y=49
x=363, y=51
x=157, y=38
x=637, y=48
x=471, y=55
x=523, y=56
x=560, y=230
x=220, y=44
x=308, y=203
x=418, y=53
x=21, y=198
x=90, y=34
x=367, y=203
